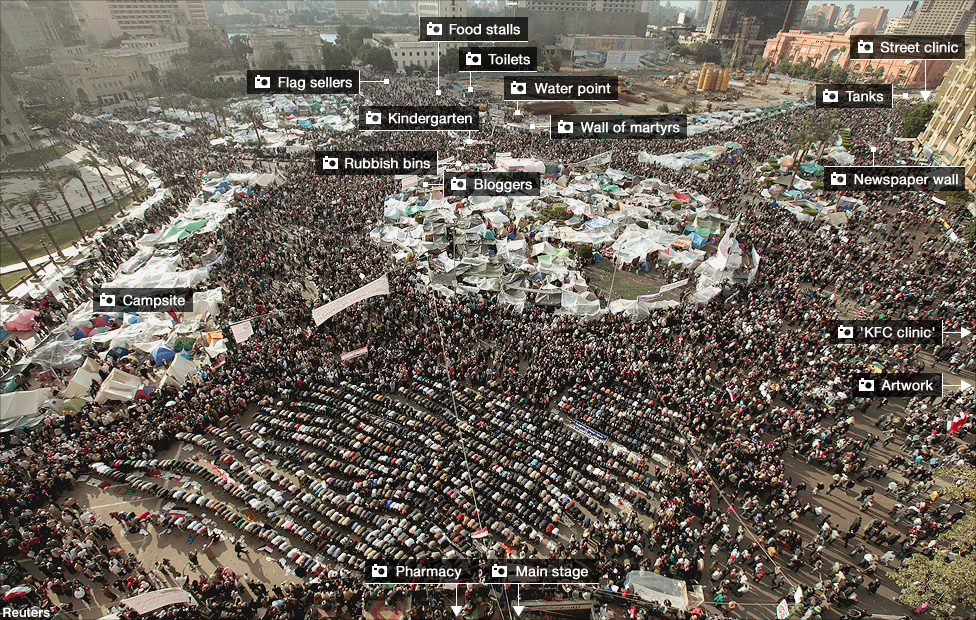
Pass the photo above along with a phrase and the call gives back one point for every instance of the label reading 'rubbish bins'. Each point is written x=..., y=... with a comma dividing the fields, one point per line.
x=344, y=163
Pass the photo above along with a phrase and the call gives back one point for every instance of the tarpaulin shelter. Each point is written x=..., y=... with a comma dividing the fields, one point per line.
x=80, y=383
x=160, y=352
x=651, y=586
x=118, y=385
x=23, y=321
x=22, y=407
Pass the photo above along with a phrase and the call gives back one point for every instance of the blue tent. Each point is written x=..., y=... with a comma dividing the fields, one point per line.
x=697, y=241
x=161, y=353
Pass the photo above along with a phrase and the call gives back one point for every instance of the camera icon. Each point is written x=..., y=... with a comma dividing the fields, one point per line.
x=330, y=163
x=845, y=331
x=262, y=81
x=518, y=88
x=458, y=184
x=435, y=30
x=378, y=571
x=564, y=127
x=838, y=178
x=471, y=59
x=374, y=118
x=499, y=572
x=831, y=96
x=865, y=385
x=865, y=47
x=106, y=300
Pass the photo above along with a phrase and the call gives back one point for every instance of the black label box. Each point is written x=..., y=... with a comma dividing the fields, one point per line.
x=508, y=59
x=898, y=384
x=417, y=118
x=609, y=126
x=474, y=29
x=862, y=331
x=894, y=178
x=908, y=47
x=854, y=96
x=125, y=299
x=561, y=88
x=338, y=82
x=460, y=185
x=345, y=163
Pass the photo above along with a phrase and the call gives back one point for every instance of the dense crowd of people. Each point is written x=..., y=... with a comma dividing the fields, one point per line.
x=457, y=418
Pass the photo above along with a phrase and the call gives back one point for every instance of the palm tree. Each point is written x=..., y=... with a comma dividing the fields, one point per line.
x=55, y=183
x=92, y=162
x=280, y=56
x=219, y=111
x=251, y=114
x=20, y=254
x=113, y=152
x=825, y=129
x=801, y=140
x=74, y=172
x=32, y=198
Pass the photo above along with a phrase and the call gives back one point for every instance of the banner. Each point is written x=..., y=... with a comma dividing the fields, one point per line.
x=782, y=610
x=221, y=473
x=583, y=429
x=673, y=285
x=242, y=331
x=725, y=246
x=379, y=286
x=755, y=265
x=351, y=355
x=596, y=160
x=157, y=599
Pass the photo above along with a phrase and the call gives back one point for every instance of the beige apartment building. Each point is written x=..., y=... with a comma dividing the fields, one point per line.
x=950, y=136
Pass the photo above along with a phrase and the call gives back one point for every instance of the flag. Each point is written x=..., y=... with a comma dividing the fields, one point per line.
x=956, y=423
x=482, y=533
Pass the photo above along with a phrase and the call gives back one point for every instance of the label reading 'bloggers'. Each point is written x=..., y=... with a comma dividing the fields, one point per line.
x=340, y=82
x=484, y=59
x=561, y=88
x=604, y=126
x=854, y=96
x=894, y=178
x=897, y=384
x=344, y=163
x=474, y=29
x=427, y=118
x=905, y=46
x=460, y=185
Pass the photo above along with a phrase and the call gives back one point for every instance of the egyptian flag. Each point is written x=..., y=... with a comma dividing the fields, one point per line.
x=482, y=533
x=956, y=423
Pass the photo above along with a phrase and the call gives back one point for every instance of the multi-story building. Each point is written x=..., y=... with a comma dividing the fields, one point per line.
x=898, y=25
x=762, y=18
x=548, y=18
x=442, y=8
x=834, y=48
x=158, y=52
x=357, y=9
x=821, y=17
x=27, y=34
x=15, y=131
x=950, y=137
x=874, y=15
x=109, y=19
x=81, y=75
x=942, y=17
x=407, y=50
x=304, y=45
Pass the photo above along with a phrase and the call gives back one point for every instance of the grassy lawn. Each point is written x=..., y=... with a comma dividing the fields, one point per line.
x=10, y=280
x=64, y=232
x=34, y=158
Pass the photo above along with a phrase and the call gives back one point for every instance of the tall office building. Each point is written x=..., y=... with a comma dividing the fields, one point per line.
x=942, y=17
x=352, y=8
x=821, y=17
x=108, y=19
x=950, y=136
x=548, y=18
x=442, y=8
x=768, y=17
x=874, y=15
x=15, y=131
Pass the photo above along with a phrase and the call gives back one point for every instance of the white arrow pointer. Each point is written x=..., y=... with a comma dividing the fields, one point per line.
x=518, y=607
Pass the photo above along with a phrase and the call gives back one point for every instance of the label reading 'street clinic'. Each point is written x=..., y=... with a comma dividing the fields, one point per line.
x=561, y=88
x=338, y=82
x=907, y=47
x=345, y=163
x=894, y=178
x=460, y=185
x=854, y=96
x=474, y=29
x=607, y=126
x=417, y=118
x=487, y=59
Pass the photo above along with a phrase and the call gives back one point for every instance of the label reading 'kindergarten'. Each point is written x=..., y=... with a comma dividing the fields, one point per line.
x=894, y=178
x=606, y=126
x=344, y=163
x=426, y=118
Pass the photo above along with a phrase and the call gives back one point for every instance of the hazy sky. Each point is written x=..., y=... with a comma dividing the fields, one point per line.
x=895, y=7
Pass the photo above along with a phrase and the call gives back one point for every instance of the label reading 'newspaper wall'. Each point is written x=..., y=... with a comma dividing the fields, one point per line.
x=894, y=178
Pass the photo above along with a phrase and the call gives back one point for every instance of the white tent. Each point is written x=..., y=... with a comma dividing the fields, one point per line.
x=82, y=379
x=651, y=586
x=22, y=407
x=118, y=385
x=179, y=369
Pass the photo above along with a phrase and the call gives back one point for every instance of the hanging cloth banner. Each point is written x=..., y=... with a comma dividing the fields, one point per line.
x=351, y=355
x=380, y=286
x=242, y=331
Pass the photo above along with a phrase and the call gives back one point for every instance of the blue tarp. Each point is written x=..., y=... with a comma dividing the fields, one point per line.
x=697, y=241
